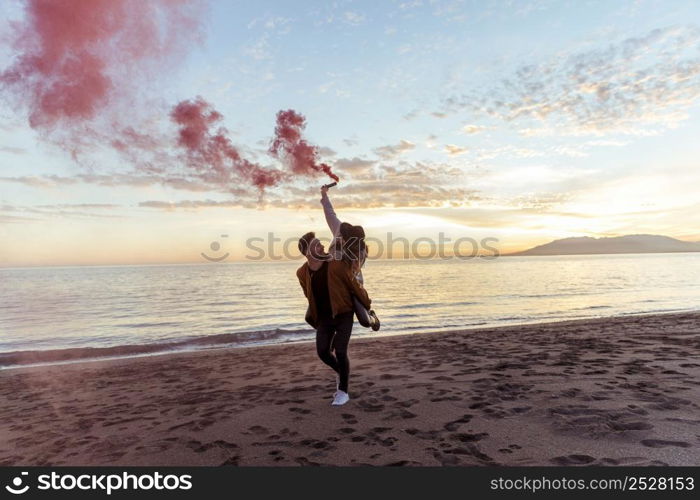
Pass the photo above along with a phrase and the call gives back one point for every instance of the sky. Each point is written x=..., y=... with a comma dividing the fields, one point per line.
x=522, y=121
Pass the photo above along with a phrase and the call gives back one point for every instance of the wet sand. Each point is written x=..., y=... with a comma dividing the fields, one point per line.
x=609, y=391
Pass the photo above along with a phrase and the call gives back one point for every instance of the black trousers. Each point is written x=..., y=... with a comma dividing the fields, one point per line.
x=333, y=334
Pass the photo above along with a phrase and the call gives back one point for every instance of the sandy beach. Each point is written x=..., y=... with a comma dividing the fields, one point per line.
x=609, y=391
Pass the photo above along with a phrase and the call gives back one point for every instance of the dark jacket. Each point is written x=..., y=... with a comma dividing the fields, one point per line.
x=342, y=285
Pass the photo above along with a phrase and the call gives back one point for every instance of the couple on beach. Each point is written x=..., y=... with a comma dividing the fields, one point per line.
x=333, y=284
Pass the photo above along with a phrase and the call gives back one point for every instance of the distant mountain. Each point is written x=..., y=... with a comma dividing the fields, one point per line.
x=633, y=243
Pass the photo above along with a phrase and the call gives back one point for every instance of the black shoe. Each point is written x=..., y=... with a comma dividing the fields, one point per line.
x=375, y=321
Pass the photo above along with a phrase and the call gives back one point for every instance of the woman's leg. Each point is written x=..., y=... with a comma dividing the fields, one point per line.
x=324, y=336
x=341, y=340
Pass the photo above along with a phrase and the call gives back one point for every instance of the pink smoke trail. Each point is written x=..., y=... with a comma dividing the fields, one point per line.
x=290, y=147
x=75, y=57
x=212, y=153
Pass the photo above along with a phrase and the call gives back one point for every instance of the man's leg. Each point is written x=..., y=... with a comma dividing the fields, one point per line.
x=324, y=336
x=343, y=329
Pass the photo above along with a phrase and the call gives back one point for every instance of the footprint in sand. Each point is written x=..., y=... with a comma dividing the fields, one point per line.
x=481, y=404
x=231, y=460
x=401, y=413
x=371, y=405
x=573, y=460
x=630, y=426
x=199, y=447
x=449, y=457
x=468, y=438
x=287, y=432
x=446, y=398
x=408, y=403
x=638, y=461
x=258, y=429
x=349, y=418
x=316, y=444
x=303, y=411
x=388, y=376
x=660, y=443
x=380, y=430
x=454, y=425
x=429, y=435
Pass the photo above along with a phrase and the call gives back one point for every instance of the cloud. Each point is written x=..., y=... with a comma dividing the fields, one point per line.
x=353, y=18
x=577, y=150
x=191, y=204
x=369, y=186
x=354, y=166
x=79, y=205
x=539, y=201
x=44, y=181
x=450, y=10
x=473, y=129
x=411, y=5
x=277, y=24
x=402, y=185
x=407, y=185
x=453, y=150
x=325, y=151
x=129, y=179
x=64, y=210
x=641, y=85
x=259, y=49
x=13, y=150
x=15, y=219
x=391, y=151
x=508, y=152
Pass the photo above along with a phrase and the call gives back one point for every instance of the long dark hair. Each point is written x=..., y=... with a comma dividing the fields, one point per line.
x=354, y=248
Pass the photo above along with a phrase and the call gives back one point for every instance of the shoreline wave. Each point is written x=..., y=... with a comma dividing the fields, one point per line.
x=15, y=359
x=29, y=358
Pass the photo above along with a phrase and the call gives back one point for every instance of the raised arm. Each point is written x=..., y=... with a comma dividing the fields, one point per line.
x=331, y=217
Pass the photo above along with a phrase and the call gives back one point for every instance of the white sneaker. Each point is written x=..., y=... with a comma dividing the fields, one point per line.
x=340, y=398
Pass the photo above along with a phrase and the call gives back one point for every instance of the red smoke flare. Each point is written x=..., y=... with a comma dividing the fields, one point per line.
x=76, y=56
x=289, y=146
x=212, y=154
x=83, y=68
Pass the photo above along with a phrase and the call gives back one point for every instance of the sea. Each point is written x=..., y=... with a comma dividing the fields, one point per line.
x=64, y=314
